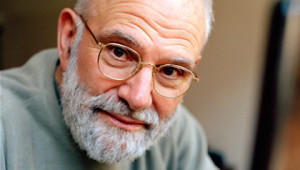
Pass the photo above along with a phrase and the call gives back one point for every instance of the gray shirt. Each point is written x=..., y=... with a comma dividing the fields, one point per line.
x=33, y=134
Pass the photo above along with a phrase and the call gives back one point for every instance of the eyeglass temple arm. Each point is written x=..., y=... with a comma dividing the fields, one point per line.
x=88, y=28
x=195, y=77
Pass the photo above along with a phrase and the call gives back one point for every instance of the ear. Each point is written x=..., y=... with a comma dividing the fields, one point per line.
x=198, y=59
x=66, y=31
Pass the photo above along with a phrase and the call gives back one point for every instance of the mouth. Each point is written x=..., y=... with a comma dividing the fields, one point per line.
x=123, y=122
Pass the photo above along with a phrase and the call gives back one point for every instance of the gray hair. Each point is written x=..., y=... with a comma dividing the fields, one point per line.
x=82, y=5
x=209, y=17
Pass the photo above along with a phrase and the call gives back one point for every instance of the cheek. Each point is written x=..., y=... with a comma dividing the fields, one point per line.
x=164, y=106
x=89, y=74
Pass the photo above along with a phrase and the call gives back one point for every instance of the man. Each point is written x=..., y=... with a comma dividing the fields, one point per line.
x=110, y=92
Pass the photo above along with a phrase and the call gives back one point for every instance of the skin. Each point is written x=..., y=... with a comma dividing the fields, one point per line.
x=160, y=36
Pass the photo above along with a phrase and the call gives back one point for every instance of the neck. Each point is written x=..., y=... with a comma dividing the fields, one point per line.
x=58, y=76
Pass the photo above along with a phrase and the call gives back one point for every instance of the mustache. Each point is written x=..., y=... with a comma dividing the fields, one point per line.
x=112, y=104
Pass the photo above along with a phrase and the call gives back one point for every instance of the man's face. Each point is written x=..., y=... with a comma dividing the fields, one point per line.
x=164, y=33
x=130, y=113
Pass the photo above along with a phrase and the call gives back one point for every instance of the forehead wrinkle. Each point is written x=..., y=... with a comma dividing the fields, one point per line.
x=160, y=20
x=181, y=60
x=146, y=30
x=186, y=34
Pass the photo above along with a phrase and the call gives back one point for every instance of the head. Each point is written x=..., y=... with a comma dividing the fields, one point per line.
x=116, y=120
x=82, y=5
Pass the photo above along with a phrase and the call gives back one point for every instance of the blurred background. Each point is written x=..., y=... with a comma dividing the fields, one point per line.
x=229, y=100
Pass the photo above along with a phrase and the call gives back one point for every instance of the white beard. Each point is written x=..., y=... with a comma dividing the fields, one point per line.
x=101, y=140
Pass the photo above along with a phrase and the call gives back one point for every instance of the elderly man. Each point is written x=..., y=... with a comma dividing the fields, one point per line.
x=109, y=96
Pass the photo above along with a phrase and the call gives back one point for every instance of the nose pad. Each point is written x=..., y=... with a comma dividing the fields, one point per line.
x=137, y=91
x=154, y=68
x=149, y=64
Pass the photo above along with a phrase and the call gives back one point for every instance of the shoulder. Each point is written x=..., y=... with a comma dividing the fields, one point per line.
x=35, y=66
x=27, y=107
x=26, y=88
x=19, y=85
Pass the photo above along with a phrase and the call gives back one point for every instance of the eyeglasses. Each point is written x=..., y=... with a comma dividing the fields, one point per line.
x=119, y=62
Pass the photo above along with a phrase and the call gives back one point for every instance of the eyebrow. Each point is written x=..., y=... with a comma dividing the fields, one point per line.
x=120, y=36
x=187, y=63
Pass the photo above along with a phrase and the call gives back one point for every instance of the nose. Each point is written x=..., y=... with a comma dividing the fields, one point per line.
x=137, y=91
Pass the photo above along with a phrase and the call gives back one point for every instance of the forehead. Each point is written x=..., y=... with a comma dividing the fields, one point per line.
x=167, y=23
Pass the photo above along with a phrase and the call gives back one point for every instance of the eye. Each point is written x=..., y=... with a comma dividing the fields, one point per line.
x=172, y=71
x=118, y=52
x=168, y=71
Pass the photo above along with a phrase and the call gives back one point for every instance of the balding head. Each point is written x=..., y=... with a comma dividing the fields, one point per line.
x=87, y=8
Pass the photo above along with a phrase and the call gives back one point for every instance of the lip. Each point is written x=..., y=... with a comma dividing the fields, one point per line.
x=124, y=122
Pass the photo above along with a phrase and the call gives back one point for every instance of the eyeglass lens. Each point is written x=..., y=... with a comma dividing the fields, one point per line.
x=119, y=62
